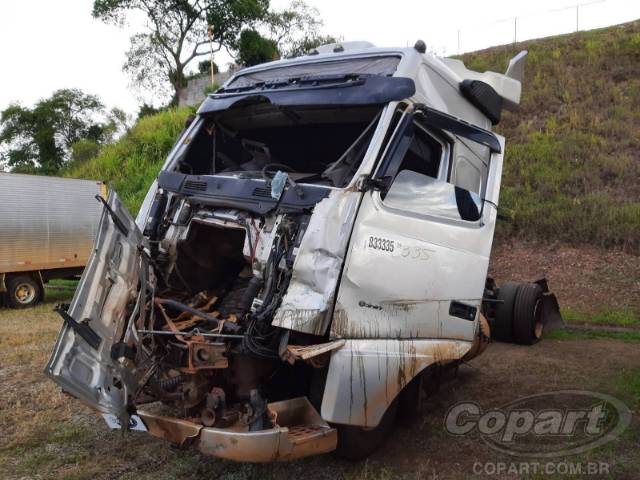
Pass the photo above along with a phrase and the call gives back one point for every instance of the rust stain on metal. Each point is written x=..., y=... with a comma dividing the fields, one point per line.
x=306, y=352
x=480, y=341
x=173, y=430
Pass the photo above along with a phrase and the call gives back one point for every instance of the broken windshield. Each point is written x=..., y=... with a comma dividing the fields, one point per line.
x=324, y=146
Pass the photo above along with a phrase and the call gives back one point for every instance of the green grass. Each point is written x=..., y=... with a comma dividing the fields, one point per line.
x=628, y=384
x=621, y=318
x=568, y=334
x=571, y=163
x=131, y=164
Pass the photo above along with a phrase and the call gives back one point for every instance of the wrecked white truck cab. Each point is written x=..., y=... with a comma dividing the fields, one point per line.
x=316, y=242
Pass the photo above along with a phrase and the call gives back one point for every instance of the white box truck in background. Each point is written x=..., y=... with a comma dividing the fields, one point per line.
x=47, y=229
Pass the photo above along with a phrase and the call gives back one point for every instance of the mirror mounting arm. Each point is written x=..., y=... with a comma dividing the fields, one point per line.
x=381, y=184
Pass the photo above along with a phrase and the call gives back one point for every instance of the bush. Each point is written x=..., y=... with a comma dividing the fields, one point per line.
x=210, y=88
x=84, y=150
x=130, y=165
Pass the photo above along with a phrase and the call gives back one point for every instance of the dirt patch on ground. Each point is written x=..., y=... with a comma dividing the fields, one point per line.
x=585, y=279
x=47, y=434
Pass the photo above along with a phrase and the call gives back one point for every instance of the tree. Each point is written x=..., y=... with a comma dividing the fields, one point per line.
x=40, y=139
x=291, y=32
x=177, y=34
x=28, y=140
x=254, y=49
x=296, y=29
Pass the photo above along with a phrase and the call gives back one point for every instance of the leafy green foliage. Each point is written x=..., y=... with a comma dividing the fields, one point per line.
x=40, y=139
x=177, y=34
x=181, y=32
x=254, y=49
x=84, y=150
x=571, y=163
x=212, y=87
x=131, y=165
x=296, y=29
x=309, y=42
x=205, y=67
x=145, y=110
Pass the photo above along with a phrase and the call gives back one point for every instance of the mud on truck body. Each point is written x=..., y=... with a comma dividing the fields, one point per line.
x=316, y=242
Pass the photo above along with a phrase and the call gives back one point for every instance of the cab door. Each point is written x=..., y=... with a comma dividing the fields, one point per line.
x=419, y=251
x=93, y=355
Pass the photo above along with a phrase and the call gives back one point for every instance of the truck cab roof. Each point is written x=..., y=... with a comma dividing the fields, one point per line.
x=444, y=84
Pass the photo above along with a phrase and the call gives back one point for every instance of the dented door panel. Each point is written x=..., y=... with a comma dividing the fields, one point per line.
x=404, y=293
x=404, y=270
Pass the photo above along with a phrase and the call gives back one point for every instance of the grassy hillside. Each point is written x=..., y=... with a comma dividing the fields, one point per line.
x=131, y=164
x=572, y=165
x=573, y=150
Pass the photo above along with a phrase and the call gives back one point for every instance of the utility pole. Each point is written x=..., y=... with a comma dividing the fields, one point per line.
x=577, y=7
x=458, y=41
x=515, y=29
x=210, y=35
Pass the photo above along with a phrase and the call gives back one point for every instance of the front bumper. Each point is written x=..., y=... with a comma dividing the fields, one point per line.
x=300, y=432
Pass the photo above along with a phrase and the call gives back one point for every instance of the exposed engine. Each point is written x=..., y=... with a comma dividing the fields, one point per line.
x=207, y=340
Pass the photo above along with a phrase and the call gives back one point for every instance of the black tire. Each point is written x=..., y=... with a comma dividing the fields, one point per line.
x=527, y=314
x=502, y=327
x=409, y=401
x=357, y=443
x=23, y=291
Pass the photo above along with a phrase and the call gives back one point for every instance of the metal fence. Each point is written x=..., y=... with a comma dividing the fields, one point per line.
x=566, y=18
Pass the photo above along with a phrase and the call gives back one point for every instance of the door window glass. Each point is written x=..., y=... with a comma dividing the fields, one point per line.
x=424, y=154
x=421, y=183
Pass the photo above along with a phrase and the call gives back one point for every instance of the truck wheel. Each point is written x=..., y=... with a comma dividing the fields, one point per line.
x=357, y=443
x=503, y=324
x=527, y=314
x=23, y=291
x=409, y=402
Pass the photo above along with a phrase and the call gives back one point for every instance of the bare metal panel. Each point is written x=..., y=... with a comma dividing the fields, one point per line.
x=46, y=222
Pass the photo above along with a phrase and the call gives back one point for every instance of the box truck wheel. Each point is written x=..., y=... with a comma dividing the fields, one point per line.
x=357, y=443
x=527, y=314
x=23, y=291
x=502, y=328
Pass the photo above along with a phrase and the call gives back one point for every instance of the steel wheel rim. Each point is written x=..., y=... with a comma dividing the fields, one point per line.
x=538, y=326
x=25, y=293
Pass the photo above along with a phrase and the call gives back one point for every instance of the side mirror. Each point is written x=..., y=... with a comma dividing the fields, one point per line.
x=414, y=192
x=469, y=204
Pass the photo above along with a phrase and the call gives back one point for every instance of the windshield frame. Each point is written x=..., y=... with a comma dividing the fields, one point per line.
x=379, y=131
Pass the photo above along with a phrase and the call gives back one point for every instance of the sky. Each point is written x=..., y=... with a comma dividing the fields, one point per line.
x=46, y=45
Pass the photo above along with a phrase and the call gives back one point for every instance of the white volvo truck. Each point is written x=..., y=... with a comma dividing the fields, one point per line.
x=316, y=244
